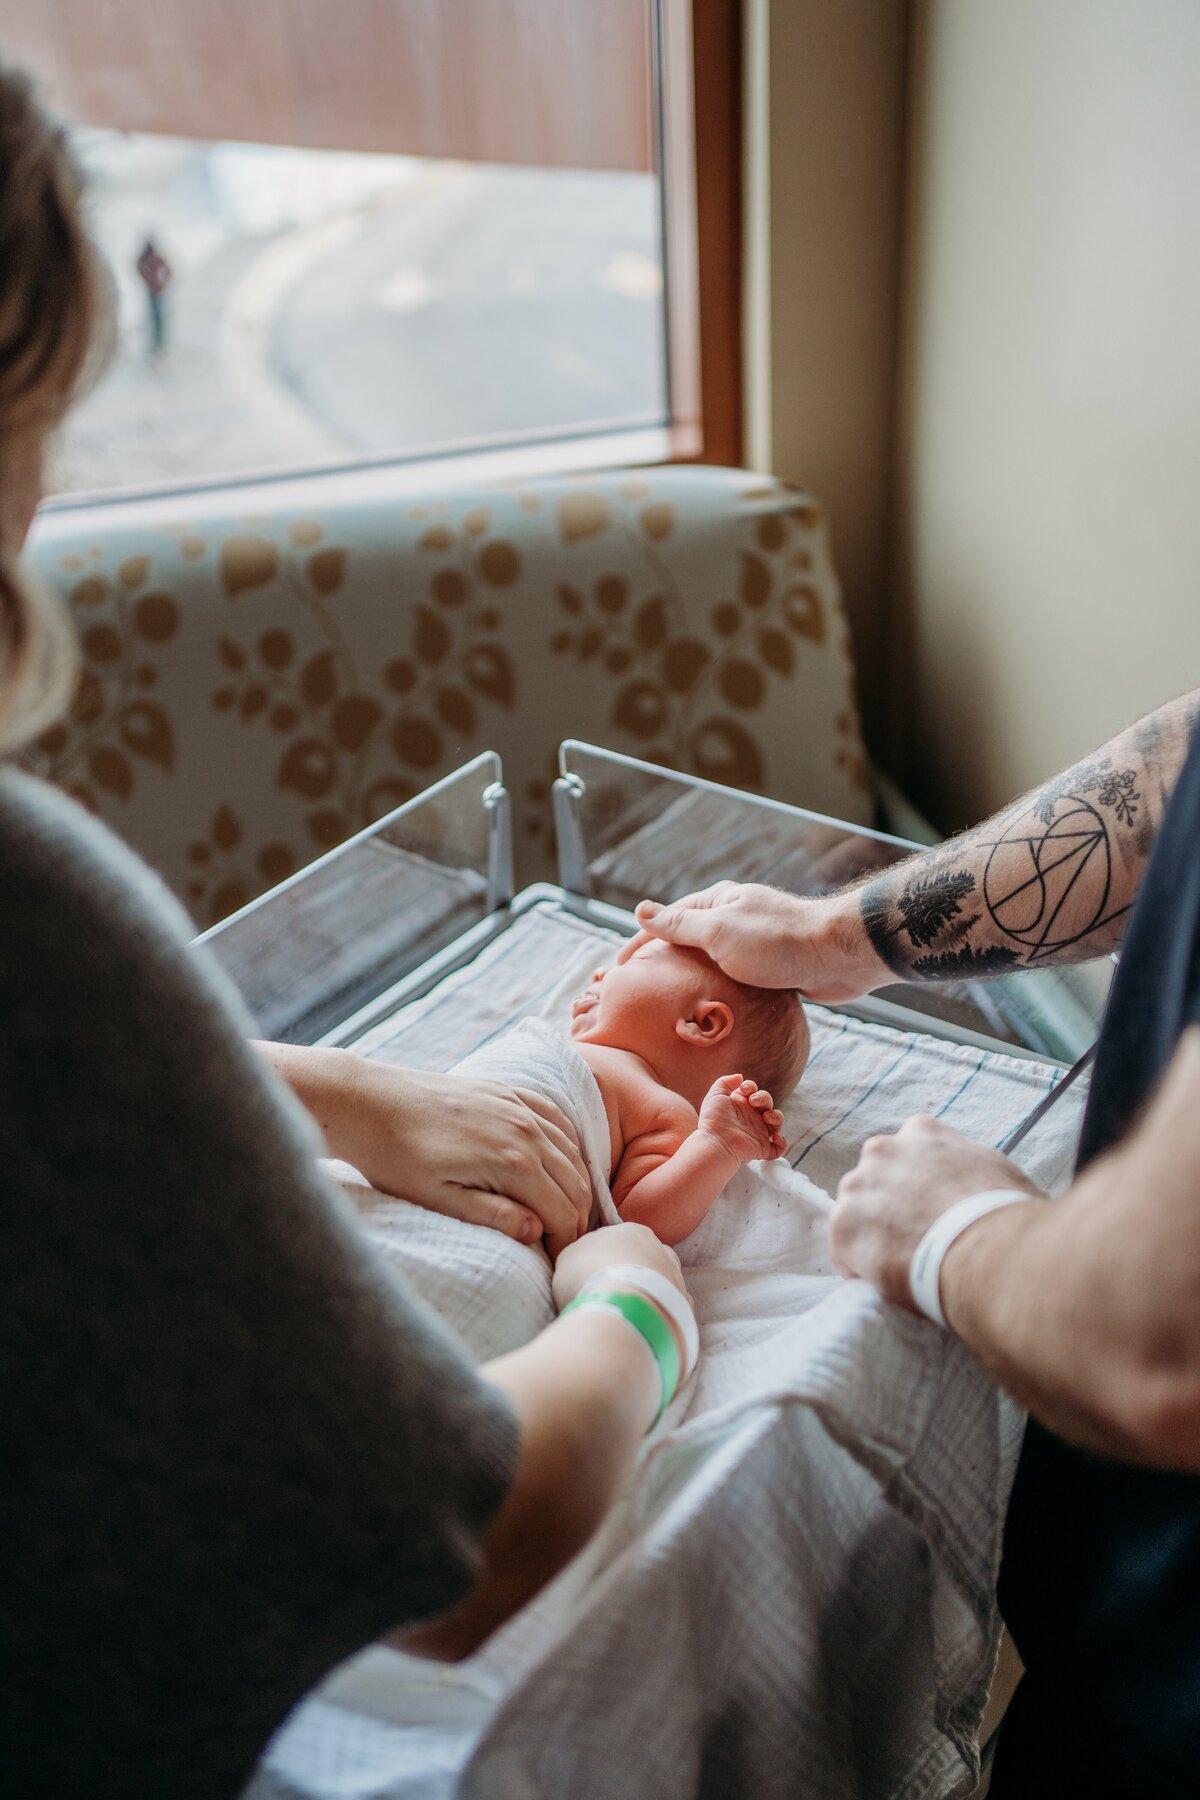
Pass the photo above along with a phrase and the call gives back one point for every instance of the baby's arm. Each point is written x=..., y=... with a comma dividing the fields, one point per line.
x=670, y=1186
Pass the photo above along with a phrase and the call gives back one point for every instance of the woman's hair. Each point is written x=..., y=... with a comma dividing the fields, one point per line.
x=55, y=331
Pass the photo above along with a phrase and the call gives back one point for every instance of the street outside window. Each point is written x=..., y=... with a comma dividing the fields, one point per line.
x=344, y=230
x=282, y=308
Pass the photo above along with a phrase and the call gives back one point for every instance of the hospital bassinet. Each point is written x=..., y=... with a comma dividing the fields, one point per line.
x=408, y=942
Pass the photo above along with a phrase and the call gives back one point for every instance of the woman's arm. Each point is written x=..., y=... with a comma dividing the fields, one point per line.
x=244, y=1450
x=1050, y=879
x=1087, y=1309
x=585, y=1393
x=475, y=1149
x=239, y=1450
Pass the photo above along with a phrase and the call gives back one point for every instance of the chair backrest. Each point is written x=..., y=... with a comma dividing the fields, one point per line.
x=255, y=688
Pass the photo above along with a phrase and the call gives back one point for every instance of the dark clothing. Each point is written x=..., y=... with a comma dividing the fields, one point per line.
x=158, y=322
x=234, y=1448
x=1100, y=1583
x=154, y=270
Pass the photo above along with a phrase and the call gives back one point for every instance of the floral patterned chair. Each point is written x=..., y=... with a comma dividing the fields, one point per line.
x=256, y=688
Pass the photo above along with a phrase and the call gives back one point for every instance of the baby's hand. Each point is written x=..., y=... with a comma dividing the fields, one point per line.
x=744, y=1119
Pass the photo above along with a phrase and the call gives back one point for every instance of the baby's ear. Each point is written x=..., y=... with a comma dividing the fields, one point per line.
x=709, y=1022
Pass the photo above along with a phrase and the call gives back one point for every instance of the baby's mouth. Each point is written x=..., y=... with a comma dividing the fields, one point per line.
x=583, y=1003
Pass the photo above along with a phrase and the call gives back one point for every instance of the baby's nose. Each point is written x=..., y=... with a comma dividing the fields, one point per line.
x=597, y=976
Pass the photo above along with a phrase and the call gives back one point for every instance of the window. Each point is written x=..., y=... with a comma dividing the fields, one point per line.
x=351, y=230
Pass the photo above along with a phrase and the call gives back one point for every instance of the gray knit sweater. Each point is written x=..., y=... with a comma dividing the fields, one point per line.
x=233, y=1449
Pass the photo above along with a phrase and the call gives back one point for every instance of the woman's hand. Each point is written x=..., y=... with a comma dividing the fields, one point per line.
x=607, y=1248
x=476, y=1150
x=767, y=938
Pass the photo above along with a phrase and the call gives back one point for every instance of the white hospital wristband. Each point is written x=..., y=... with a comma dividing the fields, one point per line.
x=665, y=1295
x=925, y=1269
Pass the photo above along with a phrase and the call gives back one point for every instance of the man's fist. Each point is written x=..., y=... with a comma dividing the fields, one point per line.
x=900, y=1186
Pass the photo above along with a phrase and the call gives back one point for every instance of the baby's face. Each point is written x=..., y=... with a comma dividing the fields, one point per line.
x=630, y=1004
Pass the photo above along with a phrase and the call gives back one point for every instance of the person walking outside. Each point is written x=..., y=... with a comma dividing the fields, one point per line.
x=156, y=274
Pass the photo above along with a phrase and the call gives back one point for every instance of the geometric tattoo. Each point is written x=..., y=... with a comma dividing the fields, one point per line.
x=1047, y=869
x=1035, y=867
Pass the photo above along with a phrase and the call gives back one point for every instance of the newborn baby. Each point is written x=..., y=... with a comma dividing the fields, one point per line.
x=669, y=1078
x=663, y=1034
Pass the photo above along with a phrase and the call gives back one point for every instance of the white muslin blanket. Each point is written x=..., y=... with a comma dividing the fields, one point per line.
x=795, y=1593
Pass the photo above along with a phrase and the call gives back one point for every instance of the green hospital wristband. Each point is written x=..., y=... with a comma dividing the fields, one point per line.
x=649, y=1323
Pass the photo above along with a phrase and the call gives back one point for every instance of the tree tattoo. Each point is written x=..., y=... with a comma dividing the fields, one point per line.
x=958, y=965
x=929, y=905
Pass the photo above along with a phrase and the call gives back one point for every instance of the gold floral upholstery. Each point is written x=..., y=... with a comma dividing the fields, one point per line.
x=255, y=689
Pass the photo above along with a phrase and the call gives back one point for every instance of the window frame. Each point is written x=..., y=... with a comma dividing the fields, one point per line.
x=697, y=66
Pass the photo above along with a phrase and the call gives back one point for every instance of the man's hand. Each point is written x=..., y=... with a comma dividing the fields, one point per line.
x=901, y=1185
x=743, y=1119
x=767, y=938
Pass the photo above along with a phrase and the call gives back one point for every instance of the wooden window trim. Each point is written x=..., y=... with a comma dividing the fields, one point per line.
x=702, y=177
x=392, y=477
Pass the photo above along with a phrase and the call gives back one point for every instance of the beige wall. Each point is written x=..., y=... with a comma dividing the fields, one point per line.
x=825, y=117
x=1048, y=569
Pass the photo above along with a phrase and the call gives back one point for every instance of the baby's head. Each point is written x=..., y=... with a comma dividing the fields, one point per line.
x=692, y=1023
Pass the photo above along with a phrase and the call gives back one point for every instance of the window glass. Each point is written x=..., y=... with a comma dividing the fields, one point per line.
x=346, y=229
x=286, y=308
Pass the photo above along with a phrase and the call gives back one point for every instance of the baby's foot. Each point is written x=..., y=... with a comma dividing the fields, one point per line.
x=743, y=1117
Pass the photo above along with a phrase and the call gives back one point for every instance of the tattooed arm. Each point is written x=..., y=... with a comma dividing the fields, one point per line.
x=1050, y=879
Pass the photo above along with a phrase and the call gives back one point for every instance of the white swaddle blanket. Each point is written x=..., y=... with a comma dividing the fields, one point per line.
x=795, y=1594
x=535, y=1056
